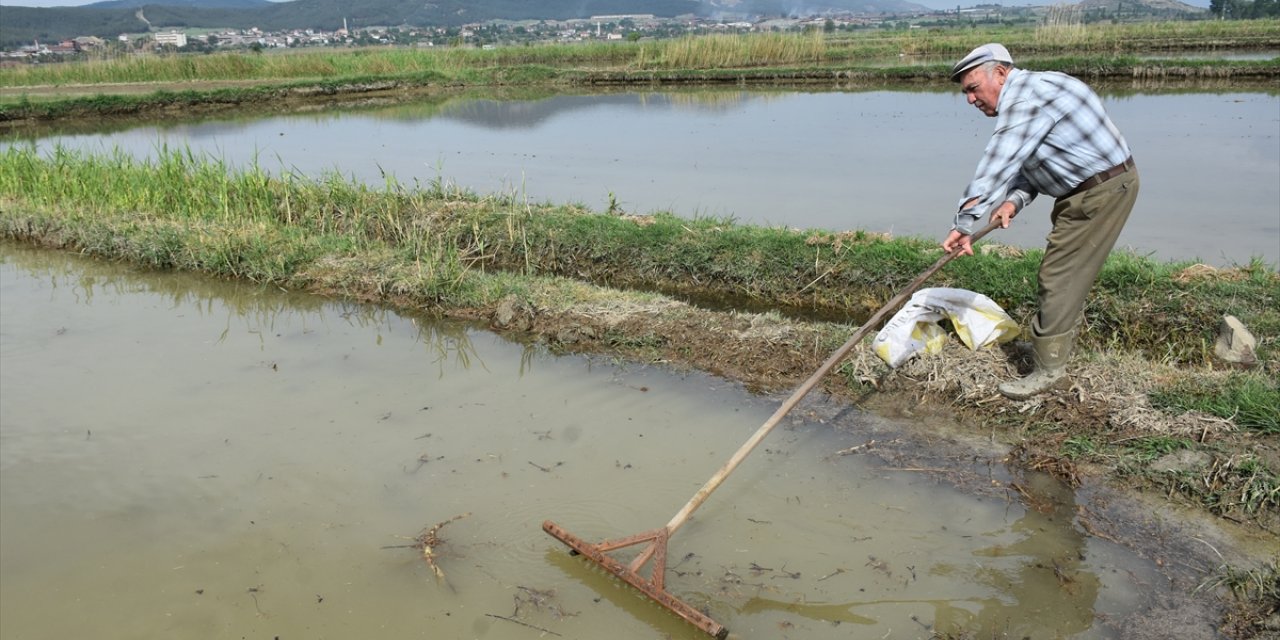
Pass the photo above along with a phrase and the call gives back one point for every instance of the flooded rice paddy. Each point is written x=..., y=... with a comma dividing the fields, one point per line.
x=189, y=458
x=889, y=161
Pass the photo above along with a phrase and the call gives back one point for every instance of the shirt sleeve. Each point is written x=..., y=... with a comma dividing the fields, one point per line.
x=1021, y=127
x=1021, y=193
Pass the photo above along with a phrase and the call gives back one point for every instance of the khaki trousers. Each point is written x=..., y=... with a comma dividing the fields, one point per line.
x=1085, y=228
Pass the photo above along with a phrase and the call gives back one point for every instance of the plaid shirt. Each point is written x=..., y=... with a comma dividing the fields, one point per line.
x=1051, y=134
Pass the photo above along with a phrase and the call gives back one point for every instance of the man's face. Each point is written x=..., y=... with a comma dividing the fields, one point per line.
x=981, y=87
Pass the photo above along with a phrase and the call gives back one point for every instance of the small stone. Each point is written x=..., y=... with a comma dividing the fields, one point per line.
x=1182, y=461
x=575, y=333
x=513, y=314
x=1235, y=344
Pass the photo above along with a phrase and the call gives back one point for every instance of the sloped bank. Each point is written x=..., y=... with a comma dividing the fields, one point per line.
x=1149, y=410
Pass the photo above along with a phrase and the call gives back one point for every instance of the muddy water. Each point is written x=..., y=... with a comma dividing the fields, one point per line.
x=186, y=458
x=891, y=161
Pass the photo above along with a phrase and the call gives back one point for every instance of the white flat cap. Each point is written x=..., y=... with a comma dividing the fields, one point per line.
x=990, y=52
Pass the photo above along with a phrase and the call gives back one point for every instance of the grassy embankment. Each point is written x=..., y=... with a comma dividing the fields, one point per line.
x=441, y=248
x=1098, y=51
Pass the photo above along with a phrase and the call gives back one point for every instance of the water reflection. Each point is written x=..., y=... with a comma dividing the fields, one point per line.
x=247, y=309
x=1051, y=577
x=1260, y=54
x=1048, y=591
x=527, y=114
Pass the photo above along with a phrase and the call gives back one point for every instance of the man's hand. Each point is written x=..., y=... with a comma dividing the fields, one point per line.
x=1004, y=213
x=956, y=240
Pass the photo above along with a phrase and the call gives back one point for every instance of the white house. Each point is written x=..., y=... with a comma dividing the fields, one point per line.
x=173, y=37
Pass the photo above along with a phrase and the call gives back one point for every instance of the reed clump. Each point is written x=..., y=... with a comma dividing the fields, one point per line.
x=1063, y=26
x=733, y=51
x=226, y=66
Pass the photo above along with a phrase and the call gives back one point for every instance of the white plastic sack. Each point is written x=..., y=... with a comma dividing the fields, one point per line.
x=978, y=320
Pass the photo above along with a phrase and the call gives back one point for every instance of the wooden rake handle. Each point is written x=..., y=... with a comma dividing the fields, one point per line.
x=803, y=390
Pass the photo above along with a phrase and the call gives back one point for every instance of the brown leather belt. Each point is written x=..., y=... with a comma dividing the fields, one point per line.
x=1102, y=177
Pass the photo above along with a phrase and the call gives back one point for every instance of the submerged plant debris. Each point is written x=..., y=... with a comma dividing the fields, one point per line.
x=428, y=542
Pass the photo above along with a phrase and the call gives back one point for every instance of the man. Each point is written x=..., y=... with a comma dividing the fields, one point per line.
x=1053, y=137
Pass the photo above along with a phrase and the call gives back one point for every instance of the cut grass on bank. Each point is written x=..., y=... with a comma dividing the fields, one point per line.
x=1251, y=401
x=1139, y=304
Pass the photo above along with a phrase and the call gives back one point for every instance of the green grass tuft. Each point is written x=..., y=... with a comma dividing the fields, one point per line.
x=1252, y=400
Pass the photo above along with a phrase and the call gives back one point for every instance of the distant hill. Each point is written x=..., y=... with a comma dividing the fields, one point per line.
x=1161, y=6
x=24, y=25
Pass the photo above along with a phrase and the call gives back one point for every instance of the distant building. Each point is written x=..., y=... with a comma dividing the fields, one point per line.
x=618, y=17
x=64, y=47
x=174, y=38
